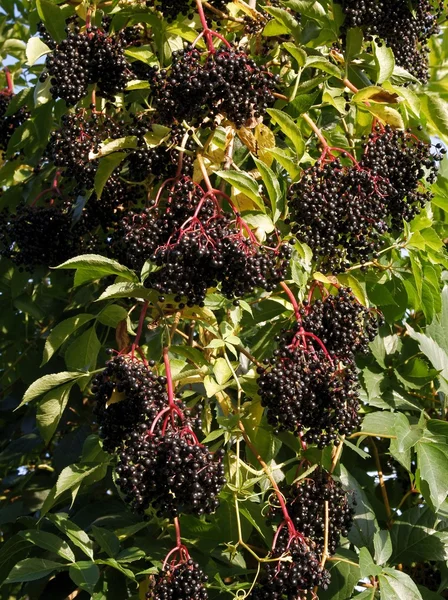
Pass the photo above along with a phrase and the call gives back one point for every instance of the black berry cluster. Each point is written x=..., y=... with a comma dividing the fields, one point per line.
x=405, y=26
x=341, y=211
x=196, y=245
x=342, y=323
x=297, y=572
x=70, y=147
x=40, y=235
x=9, y=123
x=171, y=472
x=305, y=503
x=426, y=574
x=198, y=88
x=184, y=581
x=161, y=464
x=128, y=397
x=309, y=393
x=87, y=57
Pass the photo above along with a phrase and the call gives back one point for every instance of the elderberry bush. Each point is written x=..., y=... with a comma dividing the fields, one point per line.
x=305, y=503
x=309, y=393
x=405, y=26
x=169, y=471
x=40, y=235
x=184, y=581
x=342, y=211
x=198, y=88
x=128, y=396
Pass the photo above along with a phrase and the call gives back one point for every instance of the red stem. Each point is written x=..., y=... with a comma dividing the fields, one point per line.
x=177, y=527
x=207, y=32
x=140, y=327
x=168, y=376
x=292, y=299
x=9, y=81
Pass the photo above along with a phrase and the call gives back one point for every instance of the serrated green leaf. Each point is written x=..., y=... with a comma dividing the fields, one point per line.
x=273, y=187
x=95, y=266
x=61, y=332
x=85, y=574
x=288, y=127
x=50, y=542
x=384, y=61
x=48, y=382
x=31, y=569
x=396, y=585
x=75, y=534
x=53, y=18
x=245, y=184
x=51, y=408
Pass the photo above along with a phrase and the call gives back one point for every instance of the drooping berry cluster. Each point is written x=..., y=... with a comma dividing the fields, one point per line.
x=297, y=571
x=341, y=211
x=9, y=123
x=426, y=574
x=161, y=464
x=405, y=26
x=184, y=581
x=128, y=396
x=310, y=394
x=312, y=385
x=83, y=58
x=40, y=235
x=305, y=502
x=197, y=245
x=198, y=88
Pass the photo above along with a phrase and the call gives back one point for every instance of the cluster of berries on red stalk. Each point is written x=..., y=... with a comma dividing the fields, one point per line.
x=305, y=502
x=226, y=82
x=312, y=388
x=341, y=210
x=197, y=245
x=161, y=464
x=405, y=26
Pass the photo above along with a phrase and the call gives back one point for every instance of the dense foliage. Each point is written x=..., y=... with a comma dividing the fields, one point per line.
x=224, y=308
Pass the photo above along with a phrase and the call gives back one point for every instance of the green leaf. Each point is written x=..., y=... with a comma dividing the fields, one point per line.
x=436, y=110
x=436, y=354
x=344, y=577
x=73, y=532
x=46, y=383
x=106, y=167
x=112, y=315
x=107, y=540
x=365, y=524
x=272, y=186
x=285, y=19
x=128, y=290
x=433, y=469
x=243, y=183
x=288, y=127
x=51, y=408
x=286, y=161
x=82, y=354
x=416, y=537
x=382, y=423
x=321, y=63
x=72, y=476
x=396, y=585
x=94, y=266
x=85, y=574
x=49, y=541
x=62, y=332
x=31, y=569
x=366, y=565
x=35, y=48
x=388, y=115
x=53, y=18
x=298, y=53
x=383, y=546
x=221, y=371
x=384, y=61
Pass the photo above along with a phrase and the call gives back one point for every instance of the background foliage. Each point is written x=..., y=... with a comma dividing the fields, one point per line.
x=64, y=525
